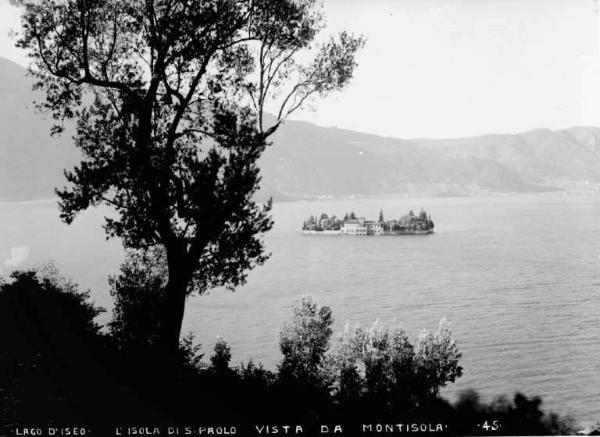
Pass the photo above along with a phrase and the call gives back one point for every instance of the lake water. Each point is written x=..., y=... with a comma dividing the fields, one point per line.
x=517, y=277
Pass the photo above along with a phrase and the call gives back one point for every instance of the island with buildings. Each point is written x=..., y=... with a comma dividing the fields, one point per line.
x=350, y=224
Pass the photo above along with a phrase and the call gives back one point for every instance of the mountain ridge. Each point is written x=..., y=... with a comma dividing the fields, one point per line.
x=308, y=161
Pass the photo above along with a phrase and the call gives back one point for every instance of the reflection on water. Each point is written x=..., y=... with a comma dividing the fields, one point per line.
x=518, y=278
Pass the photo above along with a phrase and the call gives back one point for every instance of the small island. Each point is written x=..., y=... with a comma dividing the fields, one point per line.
x=409, y=224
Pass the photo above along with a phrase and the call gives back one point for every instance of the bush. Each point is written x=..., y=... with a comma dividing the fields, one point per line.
x=57, y=365
x=391, y=374
x=60, y=367
x=49, y=341
x=304, y=341
x=436, y=359
x=138, y=293
x=522, y=416
x=221, y=357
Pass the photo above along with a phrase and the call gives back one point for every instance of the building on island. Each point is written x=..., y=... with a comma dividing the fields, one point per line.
x=361, y=226
x=408, y=224
x=374, y=227
x=354, y=227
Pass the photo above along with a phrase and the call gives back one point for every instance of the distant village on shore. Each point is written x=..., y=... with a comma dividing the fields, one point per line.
x=409, y=224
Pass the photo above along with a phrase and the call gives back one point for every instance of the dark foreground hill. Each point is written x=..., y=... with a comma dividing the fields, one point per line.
x=310, y=161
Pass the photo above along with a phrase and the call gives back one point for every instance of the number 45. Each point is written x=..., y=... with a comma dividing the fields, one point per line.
x=495, y=426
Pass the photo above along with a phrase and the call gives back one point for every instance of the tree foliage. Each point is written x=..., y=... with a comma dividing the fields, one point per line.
x=221, y=356
x=383, y=365
x=437, y=357
x=138, y=293
x=48, y=341
x=58, y=367
x=304, y=340
x=170, y=99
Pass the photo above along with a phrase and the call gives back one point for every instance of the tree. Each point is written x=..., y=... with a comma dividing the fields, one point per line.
x=304, y=341
x=392, y=373
x=437, y=357
x=386, y=358
x=221, y=357
x=170, y=100
x=381, y=220
x=138, y=293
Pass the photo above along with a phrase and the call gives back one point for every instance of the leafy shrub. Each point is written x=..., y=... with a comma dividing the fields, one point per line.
x=385, y=368
x=304, y=341
x=436, y=359
x=138, y=293
x=221, y=357
x=61, y=367
x=49, y=341
x=521, y=416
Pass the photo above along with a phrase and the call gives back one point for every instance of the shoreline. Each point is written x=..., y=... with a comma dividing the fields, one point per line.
x=385, y=234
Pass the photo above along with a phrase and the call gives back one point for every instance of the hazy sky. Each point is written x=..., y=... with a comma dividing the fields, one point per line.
x=448, y=68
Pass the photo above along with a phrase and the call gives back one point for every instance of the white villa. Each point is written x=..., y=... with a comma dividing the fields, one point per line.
x=361, y=227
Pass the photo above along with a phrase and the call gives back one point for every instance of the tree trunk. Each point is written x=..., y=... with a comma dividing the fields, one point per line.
x=174, y=303
x=178, y=270
x=174, y=308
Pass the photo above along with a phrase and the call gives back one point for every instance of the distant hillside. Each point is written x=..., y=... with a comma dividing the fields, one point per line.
x=307, y=160
x=311, y=160
x=570, y=154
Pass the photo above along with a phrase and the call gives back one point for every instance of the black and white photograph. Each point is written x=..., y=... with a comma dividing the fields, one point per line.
x=299, y=217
